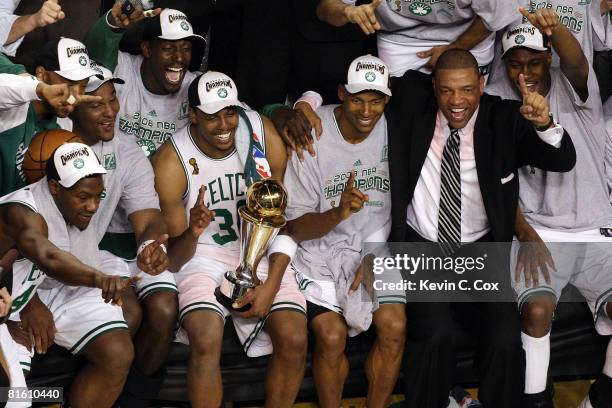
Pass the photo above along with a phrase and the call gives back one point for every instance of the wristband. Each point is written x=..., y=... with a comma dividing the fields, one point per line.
x=283, y=244
x=147, y=242
x=269, y=109
x=114, y=27
x=551, y=122
x=312, y=98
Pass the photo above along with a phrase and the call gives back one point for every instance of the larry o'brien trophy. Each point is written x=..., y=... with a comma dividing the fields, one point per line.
x=260, y=221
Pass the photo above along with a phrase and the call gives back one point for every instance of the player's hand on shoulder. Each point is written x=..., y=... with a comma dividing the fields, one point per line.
x=199, y=215
x=153, y=258
x=295, y=128
x=352, y=200
x=260, y=298
x=37, y=321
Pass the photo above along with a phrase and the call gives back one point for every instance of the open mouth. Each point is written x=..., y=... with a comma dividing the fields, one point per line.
x=174, y=75
x=85, y=218
x=106, y=126
x=365, y=122
x=224, y=138
x=458, y=114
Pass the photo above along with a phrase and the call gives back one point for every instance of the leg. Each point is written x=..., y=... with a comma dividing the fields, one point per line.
x=383, y=363
x=537, y=314
x=153, y=340
x=286, y=367
x=430, y=358
x=132, y=312
x=329, y=363
x=99, y=383
x=500, y=360
x=205, y=330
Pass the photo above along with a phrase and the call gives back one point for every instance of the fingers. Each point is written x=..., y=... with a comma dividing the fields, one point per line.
x=350, y=182
x=526, y=14
x=425, y=54
x=83, y=98
x=523, y=85
x=318, y=126
x=245, y=300
x=200, y=199
x=357, y=281
x=363, y=21
x=9, y=258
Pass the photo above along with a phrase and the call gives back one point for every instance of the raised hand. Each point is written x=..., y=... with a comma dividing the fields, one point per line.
x=351, y=200
x=63, y=98
x=153, y=258
x=200, y=216
x=50, y=13
x=544, y=19
x=364, y=16
x=119, y=19
x=535, y=107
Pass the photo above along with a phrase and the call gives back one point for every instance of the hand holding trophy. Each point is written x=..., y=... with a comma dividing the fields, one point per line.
x=261, y=220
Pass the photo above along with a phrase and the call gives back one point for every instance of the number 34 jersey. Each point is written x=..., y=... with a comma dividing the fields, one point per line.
x=225, y=190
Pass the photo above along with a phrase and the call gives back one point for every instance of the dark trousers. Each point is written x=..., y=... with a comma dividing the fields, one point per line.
x=430, y=351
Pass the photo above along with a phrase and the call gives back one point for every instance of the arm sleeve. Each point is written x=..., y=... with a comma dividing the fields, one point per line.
x=303, y=186
x=103, y=43
x=8, y=67
x=601, y=27
x=139, y=188
x=16, y=90
x=496, y=14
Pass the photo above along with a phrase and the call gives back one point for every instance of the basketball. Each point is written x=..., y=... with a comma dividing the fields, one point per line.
x=40, y=150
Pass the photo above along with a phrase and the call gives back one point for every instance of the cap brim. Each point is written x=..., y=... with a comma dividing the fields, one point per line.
x=529, y=47
x=356, y=88
x=94, y=84
x=181, y=37
x=215, y=107
x=78, y=74
x=74, y=178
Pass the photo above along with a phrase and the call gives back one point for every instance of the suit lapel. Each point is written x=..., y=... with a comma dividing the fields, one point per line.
x=483, y=144
x=422, y=135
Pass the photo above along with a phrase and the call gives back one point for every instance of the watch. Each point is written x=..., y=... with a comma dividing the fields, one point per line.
x=551, y=121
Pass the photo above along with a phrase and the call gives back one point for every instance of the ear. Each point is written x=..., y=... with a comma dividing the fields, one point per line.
x=341, y=93
x=481, y=84
x=40, y=73
x=145, y=48
x=193, y=116
x=54, y=187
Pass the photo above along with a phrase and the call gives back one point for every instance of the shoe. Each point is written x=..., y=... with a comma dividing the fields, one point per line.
x=464, y=399
x=542, y=399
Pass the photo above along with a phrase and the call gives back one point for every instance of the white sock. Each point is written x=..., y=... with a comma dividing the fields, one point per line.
x=537, y=354
x=586, y=403
x=607, y=368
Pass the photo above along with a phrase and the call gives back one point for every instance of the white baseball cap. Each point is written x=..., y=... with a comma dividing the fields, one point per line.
x=368, y=73
x=68, y=59
x=212, y=92
x=173, y=25
x=104, y=75
x=75, y=161
x=524, y=36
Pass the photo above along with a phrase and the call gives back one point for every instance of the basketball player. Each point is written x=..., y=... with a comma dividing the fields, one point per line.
x=201, y=176
x=338, y=200
x=561, y=207
x=48, y=221
x=28, y=106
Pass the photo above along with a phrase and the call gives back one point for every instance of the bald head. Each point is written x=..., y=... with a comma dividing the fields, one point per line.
x=456, y=59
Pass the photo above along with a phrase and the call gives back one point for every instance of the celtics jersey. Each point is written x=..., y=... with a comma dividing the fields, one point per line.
x=17, y=128
x=225, y=190
x=26, y=275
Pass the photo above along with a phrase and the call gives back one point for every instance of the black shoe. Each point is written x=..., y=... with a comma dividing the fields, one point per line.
x=542, y=399
x=600, y=393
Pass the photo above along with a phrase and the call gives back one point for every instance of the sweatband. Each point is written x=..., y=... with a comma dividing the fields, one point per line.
x=283, y=244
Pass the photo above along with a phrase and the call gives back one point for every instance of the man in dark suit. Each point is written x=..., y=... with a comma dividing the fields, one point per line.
x=453, y=156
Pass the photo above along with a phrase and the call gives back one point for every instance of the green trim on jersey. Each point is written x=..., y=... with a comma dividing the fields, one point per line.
x=122, y=245
x=13, y=146
x=8, y=67
x=103, y=43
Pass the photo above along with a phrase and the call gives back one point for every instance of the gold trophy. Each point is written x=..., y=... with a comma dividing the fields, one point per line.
x=261, y=220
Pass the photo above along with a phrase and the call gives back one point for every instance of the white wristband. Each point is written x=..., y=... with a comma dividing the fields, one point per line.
x=114, y=27
x=283, y=244
x=147, y=242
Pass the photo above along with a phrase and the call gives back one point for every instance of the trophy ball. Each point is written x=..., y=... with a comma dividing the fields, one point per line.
x=266, y=198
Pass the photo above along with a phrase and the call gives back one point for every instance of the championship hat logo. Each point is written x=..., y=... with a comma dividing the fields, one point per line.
x=370, y=76
x=78, y=163
x=83, y=60
x=184, y=25
x=519, y=39
x=222, y=93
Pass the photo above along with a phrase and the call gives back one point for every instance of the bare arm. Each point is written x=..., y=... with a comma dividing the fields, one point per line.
x=337, y=14
x=49, y=13
x=473, y=36
x=276, y=152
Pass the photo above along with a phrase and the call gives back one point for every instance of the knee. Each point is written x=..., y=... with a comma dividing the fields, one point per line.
x=162, y=310
x=391, y=328
x=132, y=312
x=537, y=317
x=292, y=345
x=331, y=340
x=205, y=345
x=117, y=354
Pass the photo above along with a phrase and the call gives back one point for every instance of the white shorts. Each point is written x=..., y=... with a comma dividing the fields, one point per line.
x=10, y=351
x=583, y=259
x=147, y=284
x=197, y=281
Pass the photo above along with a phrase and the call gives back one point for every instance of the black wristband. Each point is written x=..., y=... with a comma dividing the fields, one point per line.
x=551, y=122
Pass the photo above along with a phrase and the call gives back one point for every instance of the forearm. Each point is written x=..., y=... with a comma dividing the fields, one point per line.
x=571, y=56
x=102, y=43
x=181, y=249
x=473, y=36
x=313, y=225
x=66, y=268
x=16, y=90
x=22, y=26
x=333, y=12
x=277, y=265
x=523, y=231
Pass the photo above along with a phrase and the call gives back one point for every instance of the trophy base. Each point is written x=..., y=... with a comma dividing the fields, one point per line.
x=227, y=301
x=229, y=292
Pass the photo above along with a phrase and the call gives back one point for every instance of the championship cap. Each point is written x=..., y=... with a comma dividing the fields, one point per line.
x=104, y=75
x=524, y=36
x=212, y=92
x=75, y=161
x=368, y=73
x=170, y=25
x=67, y=58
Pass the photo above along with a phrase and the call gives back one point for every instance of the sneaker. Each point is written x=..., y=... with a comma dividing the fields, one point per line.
x=464, y=399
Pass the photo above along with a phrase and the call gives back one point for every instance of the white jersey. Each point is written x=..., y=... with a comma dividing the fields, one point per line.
x=27, y=277
x=148, y=118
x=225, y=189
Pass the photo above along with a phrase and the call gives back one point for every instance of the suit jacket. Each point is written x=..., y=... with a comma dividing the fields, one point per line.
x=503, y=142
